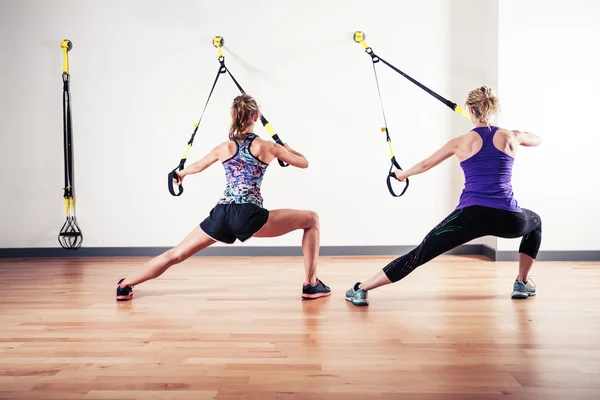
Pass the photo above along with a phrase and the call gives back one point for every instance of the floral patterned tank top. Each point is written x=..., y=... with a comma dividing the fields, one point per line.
x=244, y=174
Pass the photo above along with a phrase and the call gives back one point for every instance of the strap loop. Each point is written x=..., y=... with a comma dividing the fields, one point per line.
x=173, y=176
x=392, y=175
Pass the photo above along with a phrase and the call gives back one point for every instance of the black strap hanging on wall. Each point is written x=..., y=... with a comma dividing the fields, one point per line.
x=70, y=236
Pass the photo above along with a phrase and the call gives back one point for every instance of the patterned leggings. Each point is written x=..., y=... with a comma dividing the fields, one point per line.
x=464, y=225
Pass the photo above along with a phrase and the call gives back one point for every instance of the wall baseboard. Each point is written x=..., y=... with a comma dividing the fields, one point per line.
x=550, y=255
x=290, y=251
x=221, y=251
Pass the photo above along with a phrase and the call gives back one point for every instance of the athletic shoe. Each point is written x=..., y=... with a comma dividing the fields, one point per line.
x=523, y=290
x=358, y=297
x=319, y=289
x=124, y=293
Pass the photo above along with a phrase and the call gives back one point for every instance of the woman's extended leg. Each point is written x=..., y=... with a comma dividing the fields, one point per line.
x=285, y=221
x=456, y=229
x=193, y=243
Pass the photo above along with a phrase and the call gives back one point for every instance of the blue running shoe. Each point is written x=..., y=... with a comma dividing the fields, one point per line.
x=358, y=297
x=522, y=290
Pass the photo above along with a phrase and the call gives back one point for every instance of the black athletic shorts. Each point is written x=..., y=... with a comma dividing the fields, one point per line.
x=228, y=222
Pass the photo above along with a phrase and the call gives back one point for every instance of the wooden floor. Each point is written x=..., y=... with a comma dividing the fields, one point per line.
x=236, y=328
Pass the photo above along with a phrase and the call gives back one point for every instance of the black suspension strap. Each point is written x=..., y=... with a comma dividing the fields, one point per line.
x=359, y=38
x=218, y=42
x=173, y=174
x=70, y=236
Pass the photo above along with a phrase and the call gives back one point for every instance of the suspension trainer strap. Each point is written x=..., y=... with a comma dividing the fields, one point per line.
x=453, y=106
x=173, y=174
x=359, y=37
x=264, y=122
x=384, y=129
x=70, y=236
x=67, y=135
x=263, y=119
x=393, y=162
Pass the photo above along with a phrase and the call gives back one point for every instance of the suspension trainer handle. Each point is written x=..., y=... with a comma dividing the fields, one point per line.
x=174, y=176
x=393, y=163
x=392, y=175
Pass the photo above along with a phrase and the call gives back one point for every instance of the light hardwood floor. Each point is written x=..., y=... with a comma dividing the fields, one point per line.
x=236, y=328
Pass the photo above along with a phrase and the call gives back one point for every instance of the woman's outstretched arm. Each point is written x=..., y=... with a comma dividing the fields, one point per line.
x=436, y=158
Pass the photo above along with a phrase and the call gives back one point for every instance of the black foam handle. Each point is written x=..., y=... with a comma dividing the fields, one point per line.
x=391, y=189
x=173, y=176
x=392, y=175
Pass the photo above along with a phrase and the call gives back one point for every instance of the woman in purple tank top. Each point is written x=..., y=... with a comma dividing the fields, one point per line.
x=239, y=213
x=487, y=205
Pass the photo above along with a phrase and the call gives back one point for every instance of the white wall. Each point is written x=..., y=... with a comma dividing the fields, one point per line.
x=549, y=85
x=141, y=71
x=140, y=74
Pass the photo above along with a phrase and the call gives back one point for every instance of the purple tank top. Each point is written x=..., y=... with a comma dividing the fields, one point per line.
x=488, y=176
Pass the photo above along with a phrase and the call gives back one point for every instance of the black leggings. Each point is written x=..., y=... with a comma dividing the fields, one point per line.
x=464, y=225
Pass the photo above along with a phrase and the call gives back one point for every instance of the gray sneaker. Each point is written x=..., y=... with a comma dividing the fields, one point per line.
x=358, y=297
x=523, y=290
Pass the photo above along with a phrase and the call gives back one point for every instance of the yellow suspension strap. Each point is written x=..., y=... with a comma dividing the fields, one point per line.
x=359, y=37
x=70, y=236
x=218, y=42
x=173, y=176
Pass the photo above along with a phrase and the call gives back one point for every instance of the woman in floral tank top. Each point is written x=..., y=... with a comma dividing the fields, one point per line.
x=239, y=213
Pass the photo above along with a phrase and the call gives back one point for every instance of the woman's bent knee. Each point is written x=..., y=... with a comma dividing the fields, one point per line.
x=313, y=220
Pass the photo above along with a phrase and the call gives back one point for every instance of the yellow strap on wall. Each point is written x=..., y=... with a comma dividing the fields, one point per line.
x=359, y=37
x=218, y=43
x=65, y=48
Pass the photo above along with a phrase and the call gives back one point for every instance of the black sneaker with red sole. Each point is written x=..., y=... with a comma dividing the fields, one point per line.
x=124, y=293
x=311, y=292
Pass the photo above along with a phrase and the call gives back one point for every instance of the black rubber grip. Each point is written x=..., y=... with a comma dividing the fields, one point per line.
x=392, y=175
x=391, y=189
x=173, y=176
